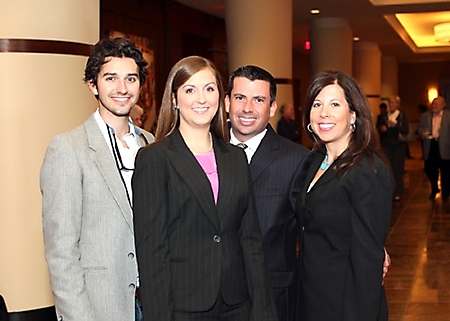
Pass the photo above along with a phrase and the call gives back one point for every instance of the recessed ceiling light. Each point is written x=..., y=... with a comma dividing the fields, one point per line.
x=315, y=11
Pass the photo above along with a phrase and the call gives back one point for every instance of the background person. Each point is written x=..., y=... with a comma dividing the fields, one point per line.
x=434, y=130
x=287, y=127
x=136, y=115
x=197, y=234
x=344, y=207
x=389, y=128
x=86, y=194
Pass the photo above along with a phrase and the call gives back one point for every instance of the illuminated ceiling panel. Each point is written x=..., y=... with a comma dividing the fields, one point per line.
x=420, y=26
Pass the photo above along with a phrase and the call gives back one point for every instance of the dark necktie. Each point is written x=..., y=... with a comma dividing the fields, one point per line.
x=242, y=145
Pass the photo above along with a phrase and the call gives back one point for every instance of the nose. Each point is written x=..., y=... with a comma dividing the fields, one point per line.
x=201, y=97
x=248, y=106
x=324, y=112
x=121, y=86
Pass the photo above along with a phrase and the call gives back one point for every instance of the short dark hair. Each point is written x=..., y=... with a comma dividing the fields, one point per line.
x=254, y=73
x=119, y=48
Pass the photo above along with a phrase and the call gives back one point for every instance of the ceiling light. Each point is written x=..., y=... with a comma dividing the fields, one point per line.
x=442, y=32
x=315, y=11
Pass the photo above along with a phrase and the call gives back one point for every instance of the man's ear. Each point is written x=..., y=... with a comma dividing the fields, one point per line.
x=227, y=103
x=273, y=109
x=93, y=87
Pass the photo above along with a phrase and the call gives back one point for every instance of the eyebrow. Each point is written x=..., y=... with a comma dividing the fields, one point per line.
x=115, y=74
x=206, y=85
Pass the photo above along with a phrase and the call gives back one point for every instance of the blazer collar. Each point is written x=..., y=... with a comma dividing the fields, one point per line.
x=187, y=166
x=102, y=157
x=265, y=154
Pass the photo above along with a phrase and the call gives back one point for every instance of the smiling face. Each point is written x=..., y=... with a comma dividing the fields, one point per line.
x=198, y=100
x=249, y=107
x=117, y=87
x=331, y=117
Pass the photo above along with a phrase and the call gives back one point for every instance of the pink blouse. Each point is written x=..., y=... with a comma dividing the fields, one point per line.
x=208, y=163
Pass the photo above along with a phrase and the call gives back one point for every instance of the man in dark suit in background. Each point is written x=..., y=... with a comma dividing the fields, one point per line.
x=277, y=168
x=434, y=129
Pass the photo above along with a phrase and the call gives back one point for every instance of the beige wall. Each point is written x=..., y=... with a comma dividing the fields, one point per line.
x=41, y=95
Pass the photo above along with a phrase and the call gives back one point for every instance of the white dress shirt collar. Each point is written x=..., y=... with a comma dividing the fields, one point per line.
x=252, y=143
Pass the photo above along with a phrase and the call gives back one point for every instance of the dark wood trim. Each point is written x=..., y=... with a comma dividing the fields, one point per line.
x=45, y=46
x=283, y=81
x=47, y=314
x=373, y=96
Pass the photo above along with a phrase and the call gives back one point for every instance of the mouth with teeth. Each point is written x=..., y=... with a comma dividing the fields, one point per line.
x=200, y=110
x=246, y=121
x=121, y=100
x=326, y=127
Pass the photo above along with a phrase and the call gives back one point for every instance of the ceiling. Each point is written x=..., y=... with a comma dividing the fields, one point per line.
x=398, y=26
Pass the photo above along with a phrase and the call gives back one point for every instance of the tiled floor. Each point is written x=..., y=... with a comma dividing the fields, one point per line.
x=418, y=282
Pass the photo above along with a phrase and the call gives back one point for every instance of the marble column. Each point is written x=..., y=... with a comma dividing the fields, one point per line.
x=331, y=45
x=43, y=50
x=259, y=32
x=367, y=72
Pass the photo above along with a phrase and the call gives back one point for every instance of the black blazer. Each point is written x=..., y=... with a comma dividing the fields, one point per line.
x=278, y=169
x=188, y=248
x=344, y=226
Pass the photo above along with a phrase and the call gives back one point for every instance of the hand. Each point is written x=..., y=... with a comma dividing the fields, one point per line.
x=387, y=262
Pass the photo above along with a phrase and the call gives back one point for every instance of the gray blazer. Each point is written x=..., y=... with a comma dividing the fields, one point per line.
x=88, y=228
x=444, y=134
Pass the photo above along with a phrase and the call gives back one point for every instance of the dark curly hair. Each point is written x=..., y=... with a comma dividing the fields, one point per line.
x=119, y=48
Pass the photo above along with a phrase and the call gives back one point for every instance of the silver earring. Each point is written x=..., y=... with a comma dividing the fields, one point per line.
x=309, y=128
x=176, y=107
x=353, y=127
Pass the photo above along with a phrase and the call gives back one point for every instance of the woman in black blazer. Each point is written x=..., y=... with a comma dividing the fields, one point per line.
x=197, y=235
x=344, y=208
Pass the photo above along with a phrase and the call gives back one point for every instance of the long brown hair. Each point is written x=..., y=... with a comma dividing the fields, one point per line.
x=364, y=140
x=168, y=118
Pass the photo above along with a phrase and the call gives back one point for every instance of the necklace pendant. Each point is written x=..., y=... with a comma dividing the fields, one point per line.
x=325, y=163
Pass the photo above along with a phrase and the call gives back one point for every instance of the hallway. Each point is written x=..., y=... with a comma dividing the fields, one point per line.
x=418, y=282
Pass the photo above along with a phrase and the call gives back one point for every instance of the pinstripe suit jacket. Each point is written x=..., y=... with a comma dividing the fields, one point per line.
x=278, y=169
x=188, y=248
x=88, y=228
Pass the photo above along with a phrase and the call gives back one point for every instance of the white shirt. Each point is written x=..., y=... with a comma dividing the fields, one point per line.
x=128, y=154
x=252, y=143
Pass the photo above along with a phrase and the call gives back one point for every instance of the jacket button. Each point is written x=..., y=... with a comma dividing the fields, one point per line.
x=217, y=238
x=130, y=255
x=132, y=286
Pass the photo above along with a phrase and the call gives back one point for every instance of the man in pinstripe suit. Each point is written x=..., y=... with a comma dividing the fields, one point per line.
x=277, y=167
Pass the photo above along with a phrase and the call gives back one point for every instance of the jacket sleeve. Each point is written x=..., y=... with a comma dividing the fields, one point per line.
x=150, y=229
x=371, y=198
x=61, y=182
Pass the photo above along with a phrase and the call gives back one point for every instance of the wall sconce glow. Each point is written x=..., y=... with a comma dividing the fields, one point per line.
x=432, y=93
x=442, y=32
x=355, y=38
x=315, y=11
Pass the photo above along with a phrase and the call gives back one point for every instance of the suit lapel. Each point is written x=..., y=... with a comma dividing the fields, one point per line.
x=225, y=164
x=102, y=157
x=316, y=162
x=190, y=171
x=265, y=154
